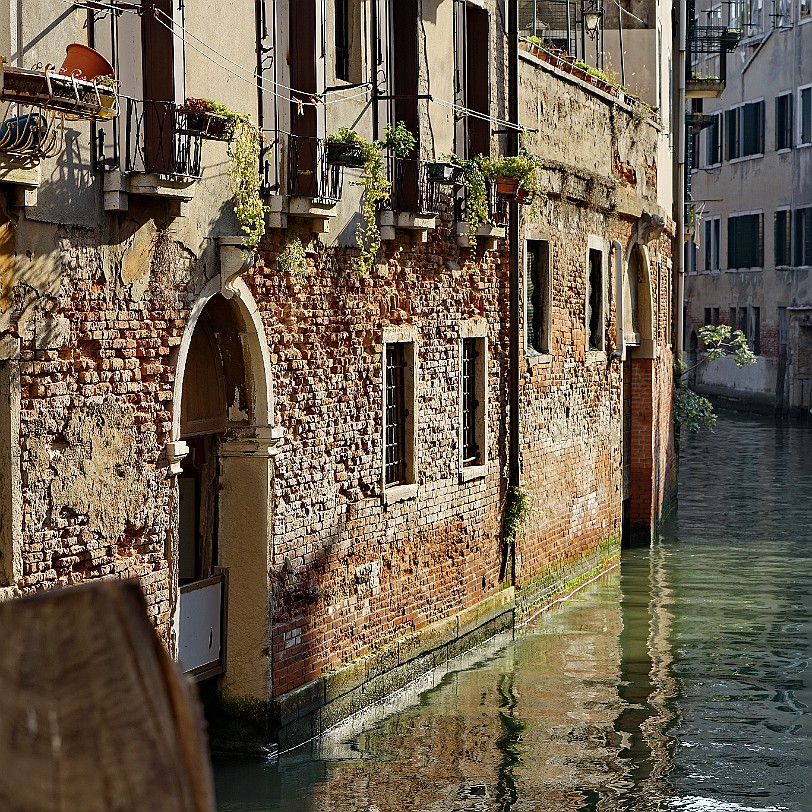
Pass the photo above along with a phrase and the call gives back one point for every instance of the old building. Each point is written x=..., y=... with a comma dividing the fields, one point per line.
x=752, y=202
x=305, y=452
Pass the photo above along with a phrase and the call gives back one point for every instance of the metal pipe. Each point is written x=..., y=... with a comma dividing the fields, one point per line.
x=514, y=275
x=678, y=258
x=620, y=350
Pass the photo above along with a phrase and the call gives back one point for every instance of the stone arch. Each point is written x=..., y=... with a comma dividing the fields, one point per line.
x=221, y=450
x=639, y=303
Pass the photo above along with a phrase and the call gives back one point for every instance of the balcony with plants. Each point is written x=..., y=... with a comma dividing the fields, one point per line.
x=706, y=43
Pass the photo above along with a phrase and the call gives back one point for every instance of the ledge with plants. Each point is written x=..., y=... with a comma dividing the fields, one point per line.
x=346, y=147
x=208, y=119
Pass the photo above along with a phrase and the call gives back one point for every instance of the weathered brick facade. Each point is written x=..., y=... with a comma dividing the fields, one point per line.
x=181, y=414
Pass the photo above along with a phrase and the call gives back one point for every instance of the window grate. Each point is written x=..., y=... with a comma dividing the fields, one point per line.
x=396, y=415
x=470, y=404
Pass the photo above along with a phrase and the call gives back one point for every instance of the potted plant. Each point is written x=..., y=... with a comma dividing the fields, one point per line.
x=107, y=89
x=472, y=178
x=85, y=63
x=345, y=148
x=444, y=173
x=515, y=176
x=397, y=140
x=209, y=119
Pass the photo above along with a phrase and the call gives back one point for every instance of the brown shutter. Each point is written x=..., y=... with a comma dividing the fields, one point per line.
x=303, y=122
x=404, y=87
x=158, y=60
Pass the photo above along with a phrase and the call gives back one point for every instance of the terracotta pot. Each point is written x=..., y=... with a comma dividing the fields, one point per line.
x=507, y=186
x=85, y=63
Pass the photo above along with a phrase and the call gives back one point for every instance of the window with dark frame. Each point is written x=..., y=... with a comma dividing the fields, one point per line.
x=745, y=241
x=537, y=306
x=783, y=237
x=342, y=39
x=783, y=121
x=713, y=141
x=754, y=331
x=712, y=227
x=594, y=315
x=744, y=130
x=471, y=406
x=395, y=416
x=805, y=115
x=715, y=316
x=803, y=236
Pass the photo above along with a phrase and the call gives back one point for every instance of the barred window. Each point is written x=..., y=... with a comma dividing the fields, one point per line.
x=471, y=452
x=537, y=297
x=395, y=418
x=473, y=444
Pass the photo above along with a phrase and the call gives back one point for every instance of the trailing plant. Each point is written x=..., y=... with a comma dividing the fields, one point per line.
x=293, y=260
x=692, y=411
x=516, y=512
x=202, y=107
x=244, y=151
x=477, y=212
x=377, y=187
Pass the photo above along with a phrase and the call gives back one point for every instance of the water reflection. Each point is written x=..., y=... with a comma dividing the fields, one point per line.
x=678, y=682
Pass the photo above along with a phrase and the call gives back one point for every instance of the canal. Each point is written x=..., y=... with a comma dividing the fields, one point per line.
x=679, y=681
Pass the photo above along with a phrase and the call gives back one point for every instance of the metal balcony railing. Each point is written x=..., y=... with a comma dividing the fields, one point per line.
x=309, y=174
x=497, y=206
x=411, y=189
x=155, y=141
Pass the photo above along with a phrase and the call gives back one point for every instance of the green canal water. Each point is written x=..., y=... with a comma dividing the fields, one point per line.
x=679, y=681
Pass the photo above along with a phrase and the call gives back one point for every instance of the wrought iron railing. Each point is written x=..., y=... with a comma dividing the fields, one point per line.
x=29, y=132
x=497, y=206
x=155, y=140
x=309, y=174
x=411, y=190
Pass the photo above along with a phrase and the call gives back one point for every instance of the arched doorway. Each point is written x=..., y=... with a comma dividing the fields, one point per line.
x=638, y=403
x=221, y=427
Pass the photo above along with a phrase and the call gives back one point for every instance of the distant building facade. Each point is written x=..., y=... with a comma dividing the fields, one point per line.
x=751, y=185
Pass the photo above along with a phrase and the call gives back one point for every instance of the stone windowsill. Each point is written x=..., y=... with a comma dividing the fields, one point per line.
x=471, y=472
x=399, y=493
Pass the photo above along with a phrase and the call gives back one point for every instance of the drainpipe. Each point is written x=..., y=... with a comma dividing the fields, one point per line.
x=678, y=258
x=620, y=350
x=514, y=458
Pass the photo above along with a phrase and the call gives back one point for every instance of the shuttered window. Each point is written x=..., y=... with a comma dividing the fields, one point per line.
x=783, y=238
x=803, y=236
x=783, y=121
x=805, y=115
x=745, y=241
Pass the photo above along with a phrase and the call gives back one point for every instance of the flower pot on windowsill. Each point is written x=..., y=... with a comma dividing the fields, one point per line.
x=507, y=187
x=85, y=63
x=210, y=126
x=341, y=154
x=444, y=173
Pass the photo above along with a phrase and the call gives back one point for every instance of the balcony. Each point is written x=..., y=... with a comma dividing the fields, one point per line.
x=488, y=234
x=313, y=185
x=703, y=43
x=413, y=200
x=160, y=157
x=201, y=645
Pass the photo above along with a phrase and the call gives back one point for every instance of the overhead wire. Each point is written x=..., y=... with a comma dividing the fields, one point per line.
x=307, y=100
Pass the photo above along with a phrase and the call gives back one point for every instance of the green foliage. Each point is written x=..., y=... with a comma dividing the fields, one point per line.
x=243, y=173
x=516, y=513
x=720, y=340
x=376, y=185
x=293, y=260
x=691, y=410
x=523, y=167
x=476, y=191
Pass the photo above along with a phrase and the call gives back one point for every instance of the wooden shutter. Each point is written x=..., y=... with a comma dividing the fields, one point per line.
x=404, y=87
x=477, y=81
x=303, y=121
x=158, y=65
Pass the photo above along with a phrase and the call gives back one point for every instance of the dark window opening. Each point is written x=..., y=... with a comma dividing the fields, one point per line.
x=715, y=316
x=783, y=121
x=732, y=318
x=537, y=305
x=803, y=236
x=472, y=81
x=396, y=415
x=783, y=238
x=745, y=241
x=713, y=141
x=754, y=333
x=471, y=452
x=342, y=32
x=708, y=316
x=595, y=300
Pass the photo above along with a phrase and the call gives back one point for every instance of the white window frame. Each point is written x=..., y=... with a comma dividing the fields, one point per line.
x=476, y=329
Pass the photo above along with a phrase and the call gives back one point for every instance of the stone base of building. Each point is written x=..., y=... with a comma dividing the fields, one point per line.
x=562, y=578
x=306, y=712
